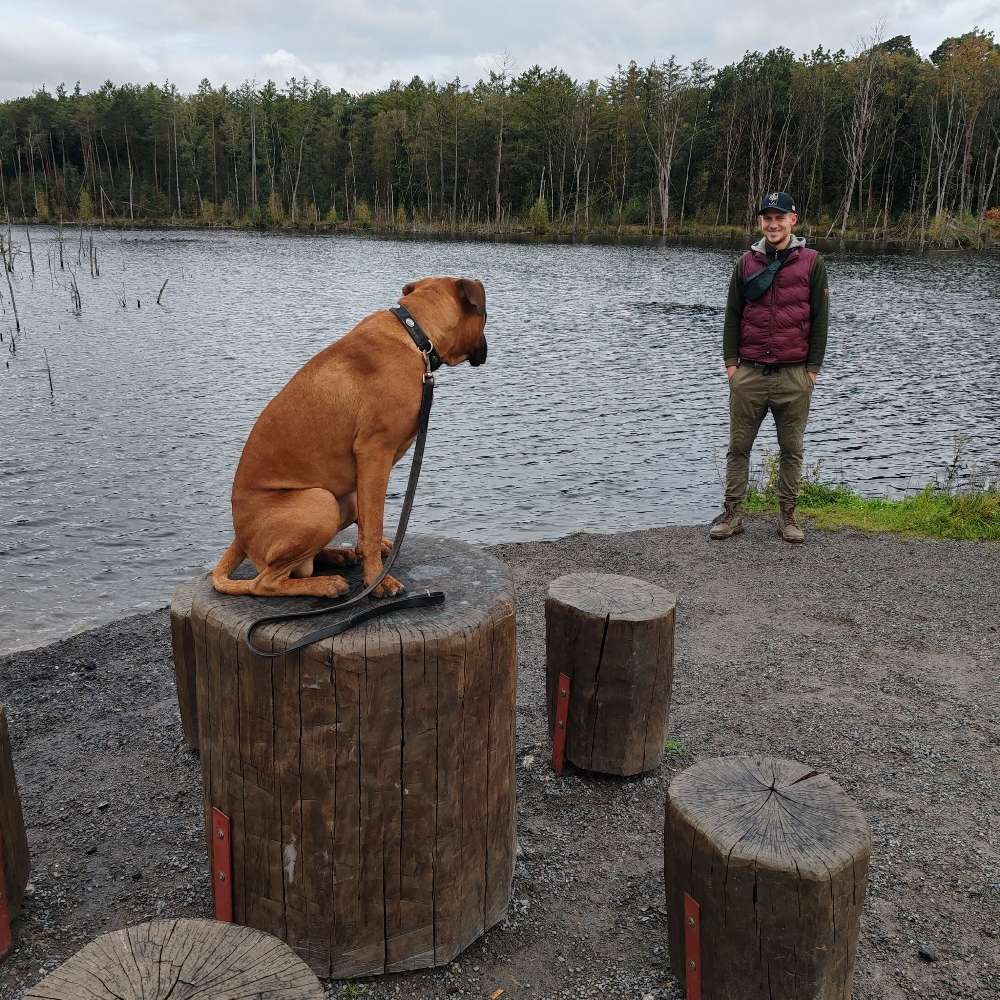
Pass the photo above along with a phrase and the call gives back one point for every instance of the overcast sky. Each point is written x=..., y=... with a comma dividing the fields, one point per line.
x=362, y=45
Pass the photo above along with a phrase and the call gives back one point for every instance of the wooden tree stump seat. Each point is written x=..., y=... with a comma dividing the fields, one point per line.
x=182, y=960
x=15, y=864
x=368, y=778
x=775, y=856
x=613, y=637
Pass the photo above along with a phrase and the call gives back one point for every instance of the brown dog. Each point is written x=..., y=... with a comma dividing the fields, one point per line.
x=319, y=457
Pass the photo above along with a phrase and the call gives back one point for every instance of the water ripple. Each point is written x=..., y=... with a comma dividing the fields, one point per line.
x=603, y=405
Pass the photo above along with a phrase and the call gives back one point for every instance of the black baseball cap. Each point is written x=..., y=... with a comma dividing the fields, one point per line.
x=777, y=201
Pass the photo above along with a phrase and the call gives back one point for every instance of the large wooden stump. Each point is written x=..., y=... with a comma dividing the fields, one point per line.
x=369, y=779
x=776, y=856
x=613, y=637
x=182, y=960
x=15, y=863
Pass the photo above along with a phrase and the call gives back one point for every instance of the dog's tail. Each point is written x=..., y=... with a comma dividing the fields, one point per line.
x=231, y=558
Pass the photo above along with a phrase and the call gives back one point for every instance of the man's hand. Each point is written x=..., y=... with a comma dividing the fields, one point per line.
x=813, y=375
x=731, y=368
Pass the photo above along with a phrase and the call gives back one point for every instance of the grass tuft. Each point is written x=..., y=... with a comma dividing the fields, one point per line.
x=939, y=510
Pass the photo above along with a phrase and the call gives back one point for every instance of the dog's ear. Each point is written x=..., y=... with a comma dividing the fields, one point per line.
x=409, y=287
x=473, y=293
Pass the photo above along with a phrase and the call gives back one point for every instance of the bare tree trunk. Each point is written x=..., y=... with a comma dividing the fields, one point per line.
x=236, y=179
x=858, y=133
x=503, y=91
x=20, y=193
x=107, y=156
x=298, y=174
x=986, y=188
x=215, y=167
x=427, y=182
x=52, y=158
x=253, y=154
x=454, y=186
x=667, y=80
x=727, y=176
x=925, y=192
x=177, y=166
x=354, y=176
x=31, y=167
x=128, y=155
x=441, y=165
x=687, y=170
x=10, y=287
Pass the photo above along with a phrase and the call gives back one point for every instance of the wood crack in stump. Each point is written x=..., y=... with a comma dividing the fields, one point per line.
x=806, y=777
x=612, y=636
x=597, y=686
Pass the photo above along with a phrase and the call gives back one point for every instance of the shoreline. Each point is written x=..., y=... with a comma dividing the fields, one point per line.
x=829, y=515
x=871, y=657
x=723, y=237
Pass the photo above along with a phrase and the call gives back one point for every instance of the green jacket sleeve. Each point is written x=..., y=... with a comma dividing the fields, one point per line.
x=734, y=313
x=819, y=301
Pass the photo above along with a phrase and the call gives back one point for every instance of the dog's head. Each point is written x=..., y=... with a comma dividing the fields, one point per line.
x=453, y=313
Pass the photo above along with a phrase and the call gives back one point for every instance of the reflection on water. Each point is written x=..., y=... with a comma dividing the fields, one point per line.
x=602, y=406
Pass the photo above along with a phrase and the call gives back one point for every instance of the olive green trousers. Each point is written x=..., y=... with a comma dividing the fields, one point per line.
x=786, y=392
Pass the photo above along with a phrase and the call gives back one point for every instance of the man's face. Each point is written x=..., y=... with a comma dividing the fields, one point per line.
x=777, y=227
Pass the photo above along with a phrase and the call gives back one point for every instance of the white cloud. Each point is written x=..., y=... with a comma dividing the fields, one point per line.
x=362, y=46
x=38, y=50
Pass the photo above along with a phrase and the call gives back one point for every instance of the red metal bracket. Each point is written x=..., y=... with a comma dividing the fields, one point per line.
x=222, y=866
x=6, y=939
x=692, y=947
x=559, y=735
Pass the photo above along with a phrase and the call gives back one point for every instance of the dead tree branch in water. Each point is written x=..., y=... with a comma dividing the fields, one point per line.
x=74, y=293
x=31, y=255
x=48, y=369
x=10, y=288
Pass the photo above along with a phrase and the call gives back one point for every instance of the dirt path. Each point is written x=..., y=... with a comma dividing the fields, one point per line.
x=874, y=658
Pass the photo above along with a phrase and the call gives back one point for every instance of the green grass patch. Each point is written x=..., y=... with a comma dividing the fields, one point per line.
x=937, y=511
x=675, y=750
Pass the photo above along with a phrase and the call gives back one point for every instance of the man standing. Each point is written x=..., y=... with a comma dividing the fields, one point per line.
x=773, y=346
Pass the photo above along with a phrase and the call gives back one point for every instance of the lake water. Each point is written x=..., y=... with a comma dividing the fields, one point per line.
x=602, y=406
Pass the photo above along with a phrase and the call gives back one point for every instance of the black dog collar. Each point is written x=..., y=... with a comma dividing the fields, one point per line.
x=418, y=336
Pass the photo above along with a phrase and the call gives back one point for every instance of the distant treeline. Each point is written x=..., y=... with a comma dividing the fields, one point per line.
x=881, y=143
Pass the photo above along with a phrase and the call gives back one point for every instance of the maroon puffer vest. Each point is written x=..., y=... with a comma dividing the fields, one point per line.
x=775, y=328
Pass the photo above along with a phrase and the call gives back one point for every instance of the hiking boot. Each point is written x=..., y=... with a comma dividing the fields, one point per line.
x=729, y=522
x=788, y=526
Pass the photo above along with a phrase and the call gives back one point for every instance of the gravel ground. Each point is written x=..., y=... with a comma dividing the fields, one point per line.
x=874, y=658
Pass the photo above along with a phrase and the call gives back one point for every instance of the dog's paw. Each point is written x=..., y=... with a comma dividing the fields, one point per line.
x=389, y=587
x=337, y=557
x=386, y=546
x=332, y=586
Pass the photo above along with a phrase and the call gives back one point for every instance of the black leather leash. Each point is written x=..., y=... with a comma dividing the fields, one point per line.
x=427, y=598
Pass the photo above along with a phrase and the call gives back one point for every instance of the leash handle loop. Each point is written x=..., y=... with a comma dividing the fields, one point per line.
x=424, y=599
